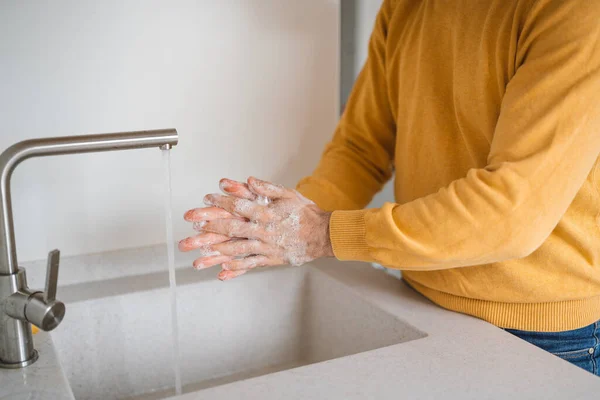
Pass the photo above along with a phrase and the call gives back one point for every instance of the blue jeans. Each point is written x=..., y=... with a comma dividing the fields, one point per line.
x=580, y=347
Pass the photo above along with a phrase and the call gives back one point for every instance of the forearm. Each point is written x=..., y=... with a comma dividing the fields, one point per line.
x=486, y=217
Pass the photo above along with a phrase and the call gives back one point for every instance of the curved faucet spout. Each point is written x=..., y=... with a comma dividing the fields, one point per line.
x=21, y=151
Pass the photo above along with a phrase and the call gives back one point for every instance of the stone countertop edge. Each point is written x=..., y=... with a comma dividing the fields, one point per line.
x=43, y=380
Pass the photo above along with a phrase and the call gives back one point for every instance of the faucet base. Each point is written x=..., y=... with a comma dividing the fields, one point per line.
x=16, y=339
x=20, y=364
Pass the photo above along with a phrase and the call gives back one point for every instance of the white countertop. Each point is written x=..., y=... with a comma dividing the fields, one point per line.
x=43, y=380
x=462, y=357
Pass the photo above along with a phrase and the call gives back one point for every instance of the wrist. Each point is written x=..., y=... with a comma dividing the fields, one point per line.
x=328, y=247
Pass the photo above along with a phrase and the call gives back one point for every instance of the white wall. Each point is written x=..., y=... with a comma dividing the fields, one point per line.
x=250, y=85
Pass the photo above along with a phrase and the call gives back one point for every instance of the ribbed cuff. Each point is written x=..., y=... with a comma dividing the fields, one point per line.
x=348, y=235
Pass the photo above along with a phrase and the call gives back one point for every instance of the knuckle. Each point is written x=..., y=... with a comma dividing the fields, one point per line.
x=235, y=266
x=240, y=247
x=254, y=227
x=271, y=215
x=264, y=215
x=270, y=227
x=242, y=206
x=253, y=245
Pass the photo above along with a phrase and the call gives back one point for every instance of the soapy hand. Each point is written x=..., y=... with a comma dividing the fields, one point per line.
x=255, y=225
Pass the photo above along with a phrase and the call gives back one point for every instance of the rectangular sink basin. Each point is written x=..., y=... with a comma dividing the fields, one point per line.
x=115, y=341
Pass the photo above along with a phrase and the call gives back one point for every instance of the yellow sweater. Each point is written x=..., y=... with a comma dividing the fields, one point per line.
x=488, y=112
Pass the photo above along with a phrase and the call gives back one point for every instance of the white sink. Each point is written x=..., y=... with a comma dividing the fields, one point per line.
x=115, y=341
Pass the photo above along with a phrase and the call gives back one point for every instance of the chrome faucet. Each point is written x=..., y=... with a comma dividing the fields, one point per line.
x=20, y=306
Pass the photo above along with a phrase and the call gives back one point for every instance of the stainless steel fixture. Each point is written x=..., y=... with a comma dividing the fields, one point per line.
x=20, y=306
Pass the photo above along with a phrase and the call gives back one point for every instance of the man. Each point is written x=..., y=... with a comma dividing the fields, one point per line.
x=489, y=113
